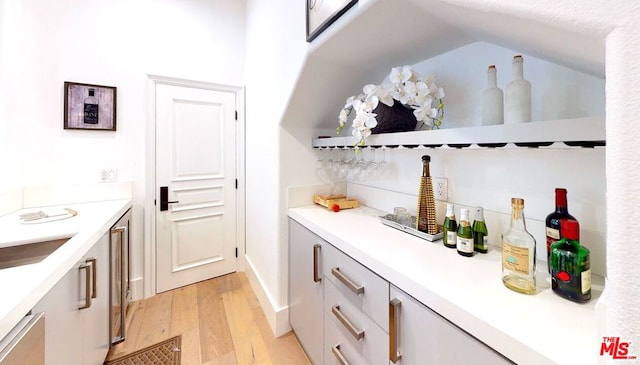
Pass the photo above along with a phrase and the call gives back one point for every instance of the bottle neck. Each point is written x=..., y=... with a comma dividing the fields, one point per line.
x=561, y=202
x=517, y=218
x=425, y=170
x=517, y=70
x=492, y=80
x=450, y=212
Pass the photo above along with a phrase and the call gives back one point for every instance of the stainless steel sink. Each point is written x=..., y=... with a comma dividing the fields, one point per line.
x=30, y=253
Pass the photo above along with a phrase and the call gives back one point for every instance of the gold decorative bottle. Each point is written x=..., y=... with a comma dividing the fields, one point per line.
x=426, y=220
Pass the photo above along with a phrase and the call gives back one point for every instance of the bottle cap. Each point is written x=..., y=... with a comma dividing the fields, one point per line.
x=569, y=229
x=492, y=67
x=479, y=214
x=517, y=201
x=426, y=158
x=517, y=58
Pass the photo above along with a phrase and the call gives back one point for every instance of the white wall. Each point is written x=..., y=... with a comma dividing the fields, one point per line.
x=10, y=60
x=115, y=43
x=276, y=48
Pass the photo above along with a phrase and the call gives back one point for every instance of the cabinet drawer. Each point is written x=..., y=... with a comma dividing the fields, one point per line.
x=371, y=348
x=348, y=274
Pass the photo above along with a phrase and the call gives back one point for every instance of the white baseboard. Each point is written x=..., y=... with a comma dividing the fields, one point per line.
x=278, y=318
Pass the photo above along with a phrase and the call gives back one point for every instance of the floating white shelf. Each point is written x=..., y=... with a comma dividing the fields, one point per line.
x=581, y=132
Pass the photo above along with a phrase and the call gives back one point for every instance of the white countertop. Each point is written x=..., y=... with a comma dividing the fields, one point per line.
x=528, y=329
x=22, y=287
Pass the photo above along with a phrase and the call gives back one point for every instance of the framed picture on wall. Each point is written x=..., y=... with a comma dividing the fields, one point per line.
x=322, y=13
x=89, y=106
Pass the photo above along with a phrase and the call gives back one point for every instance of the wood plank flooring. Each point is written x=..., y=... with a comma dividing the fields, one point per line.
x=220, y=321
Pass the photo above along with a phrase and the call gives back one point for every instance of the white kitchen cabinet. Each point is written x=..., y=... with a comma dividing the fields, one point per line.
x=350, y=331
x=73, y=335
x=421, y=336
x=361, y=286
x=306, y=289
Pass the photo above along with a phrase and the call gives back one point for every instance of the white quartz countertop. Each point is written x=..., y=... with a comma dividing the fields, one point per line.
x=528, y=329
x=22, y=287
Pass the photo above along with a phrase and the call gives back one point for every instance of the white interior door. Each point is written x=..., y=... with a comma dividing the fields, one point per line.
x=195, y=163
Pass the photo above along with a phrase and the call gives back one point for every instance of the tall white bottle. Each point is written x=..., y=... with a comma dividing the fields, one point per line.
x=517, y=108
x=492, y=100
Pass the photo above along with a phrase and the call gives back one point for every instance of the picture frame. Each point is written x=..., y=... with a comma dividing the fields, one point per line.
x=89, y=107
x=322, y=13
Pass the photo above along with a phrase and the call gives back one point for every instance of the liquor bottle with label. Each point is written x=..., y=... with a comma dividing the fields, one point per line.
x=570, y=266
x=480, y=232
x=91, y=108
x=464, y=239
x=450, y=227
x=518, y=253
x=426, y=220
x=552, y=222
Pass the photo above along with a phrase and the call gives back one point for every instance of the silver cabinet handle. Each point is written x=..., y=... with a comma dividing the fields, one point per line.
x=338, y=354
x=357, y=334
x=94, y=276
x=87, y=285
x=394, y=321
x=346, y=281
x=316, y=264
x=119, y=229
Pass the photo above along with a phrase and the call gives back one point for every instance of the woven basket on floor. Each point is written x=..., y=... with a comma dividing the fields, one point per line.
x=397, y=118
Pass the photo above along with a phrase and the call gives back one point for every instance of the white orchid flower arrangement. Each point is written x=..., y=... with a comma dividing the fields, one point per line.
x=405, y=86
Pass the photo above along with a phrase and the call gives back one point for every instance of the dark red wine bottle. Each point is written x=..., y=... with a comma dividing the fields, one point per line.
x=552, y=222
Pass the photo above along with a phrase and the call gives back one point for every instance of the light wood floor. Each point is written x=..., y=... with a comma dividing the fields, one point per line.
x=220, y=321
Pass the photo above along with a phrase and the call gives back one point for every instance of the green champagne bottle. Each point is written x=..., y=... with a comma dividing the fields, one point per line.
x=464, y=242
x=480, y=232
x=450, y=227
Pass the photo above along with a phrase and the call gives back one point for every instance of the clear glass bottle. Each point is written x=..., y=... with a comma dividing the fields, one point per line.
x=492, y=100
x=450, y=227
x=517, y=97
x=518, y=253
x=552, y=222
x=480, y=232
x=464, y=239
x=426, y=220
x=570, y=266
x=91, y=108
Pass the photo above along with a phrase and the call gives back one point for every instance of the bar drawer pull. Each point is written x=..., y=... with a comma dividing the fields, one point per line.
x=394, y=307
x=339, y=356
x=357, y=334
x=94, y=276
x=316, y=264
x=346, y=281
x=87, y=285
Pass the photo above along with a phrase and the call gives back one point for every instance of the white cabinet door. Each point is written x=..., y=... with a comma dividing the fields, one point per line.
x=63, y=320
x=74, y=335
x=305, y=289
x=96, y=318
x=424, y=337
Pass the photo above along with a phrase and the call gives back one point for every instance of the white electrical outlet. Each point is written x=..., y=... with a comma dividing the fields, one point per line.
x=108, y=175
x=440, y=191
x=104, y=175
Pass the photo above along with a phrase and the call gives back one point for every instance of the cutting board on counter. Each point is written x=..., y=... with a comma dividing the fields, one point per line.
x=329, y=201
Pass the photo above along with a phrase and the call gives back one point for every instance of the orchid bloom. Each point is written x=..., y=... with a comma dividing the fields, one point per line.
x=403, y=85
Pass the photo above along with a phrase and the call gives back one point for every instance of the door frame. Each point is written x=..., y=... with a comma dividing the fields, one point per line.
x=149, y=252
